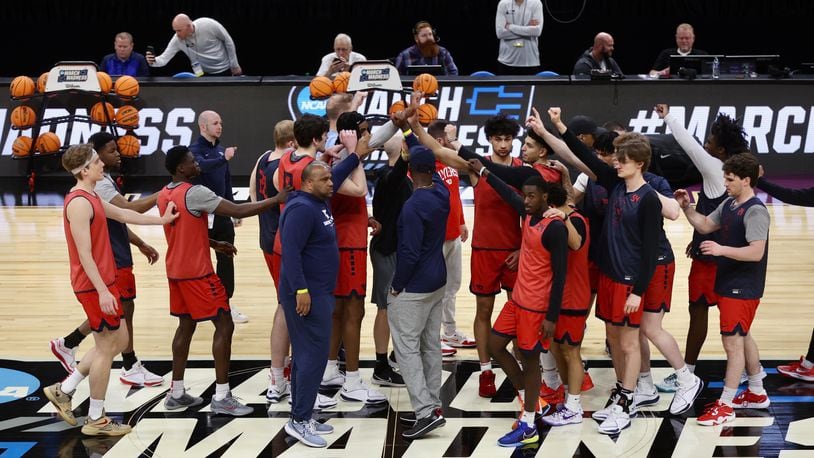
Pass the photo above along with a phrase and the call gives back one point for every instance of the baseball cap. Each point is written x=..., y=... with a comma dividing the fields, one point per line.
x=421, y=156
x=580, y=124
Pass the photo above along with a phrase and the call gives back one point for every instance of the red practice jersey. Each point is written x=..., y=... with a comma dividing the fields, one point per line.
x=100, y=244
x=496, y=222
x=532, y=289
x=187, y=237
x=456, y=211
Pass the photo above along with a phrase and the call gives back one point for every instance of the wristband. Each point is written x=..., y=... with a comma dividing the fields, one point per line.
x=407, y=133
x=302, y=291
x=480, y=173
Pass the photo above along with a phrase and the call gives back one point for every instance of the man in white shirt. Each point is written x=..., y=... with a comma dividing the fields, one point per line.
x=518, y=25
x=206, y=42
x=341, y=59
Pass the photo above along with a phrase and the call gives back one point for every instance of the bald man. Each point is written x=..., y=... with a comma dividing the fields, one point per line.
x=206, y=42
x=341, y=59
x=598, y=57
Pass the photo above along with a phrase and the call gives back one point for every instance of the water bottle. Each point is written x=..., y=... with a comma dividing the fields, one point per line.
x=716, y=69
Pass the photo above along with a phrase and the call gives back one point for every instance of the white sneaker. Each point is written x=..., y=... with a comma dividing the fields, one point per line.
x=602, y=414
x=458, y=340
x=238, y=316
x=563, y=416
x=745, y=375
x=332, y=378
x=138, y=375
x=322, y=402
x=447, y=351
x=686, y=395
x=616, y=421
x=669, y=384
x=643, y=396
x=65, y=355
x=275, y=394
x=360, y=392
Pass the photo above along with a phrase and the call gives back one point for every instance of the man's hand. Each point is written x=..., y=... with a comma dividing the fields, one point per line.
x=661, y=109
x=560, y=167
x=548, y=329
x=632, y=303
x=225, y=248
x=451, y=133
x=358, y=100
x=512, y=260
x=475, y=165
x=303, y=304
x=348, y=139
x=411, y=112
x=710, y=248
x=107, y=303
x=282, y=194
x=760, y=171
x=150, y=252
x=464, y=233
x=338, y=65
x=237, y=222
x=683, y=198
x=170, y=214
x=375, y=225
x=229, y=153
x=554, y=213
x=236, y=71
x=150, y=57
x=363, y=147
x=331, y=153
x=555, y=113
x=534, y=122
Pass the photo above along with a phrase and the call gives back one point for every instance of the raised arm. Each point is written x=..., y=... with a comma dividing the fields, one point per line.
x=127, y=216
x=702, y=224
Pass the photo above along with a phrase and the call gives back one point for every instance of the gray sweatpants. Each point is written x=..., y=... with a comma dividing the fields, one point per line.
x=452, y=256
x=415, y=321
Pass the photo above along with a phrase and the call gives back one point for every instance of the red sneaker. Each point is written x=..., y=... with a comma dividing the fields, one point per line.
x=716, y=413
x=749, y=400
x=587, y=382
x=487, y=388
x=551, y=396
x=796, y=370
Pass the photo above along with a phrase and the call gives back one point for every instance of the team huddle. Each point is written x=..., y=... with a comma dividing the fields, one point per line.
x=554, y=245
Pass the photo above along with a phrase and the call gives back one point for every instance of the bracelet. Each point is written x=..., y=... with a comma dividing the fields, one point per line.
x=480, y=173
x=302, y=291
x=407, y=133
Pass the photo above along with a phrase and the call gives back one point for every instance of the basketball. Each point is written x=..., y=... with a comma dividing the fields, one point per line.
x=427, y=113
x=48, y=142
x=22, y=117
x=22, y=86
x=397, y=106
x=128, y=145
x=41, y=81
x=126, y=86
x=425, y=83
x=21, y=146
x=97, y=113
x=105, y=83
x=127, y=116
x=340, y=83
x=321, y=87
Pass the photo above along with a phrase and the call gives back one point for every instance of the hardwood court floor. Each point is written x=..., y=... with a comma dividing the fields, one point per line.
x=38, y=305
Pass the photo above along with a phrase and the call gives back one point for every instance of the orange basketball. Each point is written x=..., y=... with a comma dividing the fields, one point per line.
x=321, y=87
x=425, y=83
x=127, y=116
x=427, y=113
x=97, y=113
x=126, y=86
x=22, y=86
x=128, y=145
x=21, y=146
x=105, y=83
x=397, y=106
x=340, y=83
x=41, y=81
x=22, y=117
x=48, y=142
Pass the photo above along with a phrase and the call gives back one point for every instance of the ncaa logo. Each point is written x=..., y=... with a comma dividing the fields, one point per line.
x=16, y=385
x=302, y=103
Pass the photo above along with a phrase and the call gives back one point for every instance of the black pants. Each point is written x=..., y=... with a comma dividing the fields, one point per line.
x=224, y=231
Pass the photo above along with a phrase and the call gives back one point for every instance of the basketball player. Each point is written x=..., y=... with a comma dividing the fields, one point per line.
x=133, y=371
x=93, y=278
x=741, y=253
x=261, y=187
x=196, y=292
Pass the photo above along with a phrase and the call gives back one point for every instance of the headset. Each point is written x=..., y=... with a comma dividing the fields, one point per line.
x=420, y=25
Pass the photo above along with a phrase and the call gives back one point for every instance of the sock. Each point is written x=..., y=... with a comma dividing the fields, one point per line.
x=177, y=389
x=331, y=366
x=550, y=375
x=521, y=395
x=528, y=418
x=129, y=359
x=73, y=339
x=625, y=399
x=221, y=390
x=486, y=366
x=69, y=384
x=684, y=375
x=97, y=406
x=807, y=364
x=691, y=367
x=572, y=402
x=277, y=377
x=756, y=383
x=352, y=377
x=728, y=395
x=646, y=381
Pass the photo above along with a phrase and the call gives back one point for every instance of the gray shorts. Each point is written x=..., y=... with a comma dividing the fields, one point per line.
x=384, y=267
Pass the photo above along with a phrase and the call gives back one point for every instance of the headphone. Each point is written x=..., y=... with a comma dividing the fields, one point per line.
x=422, y=24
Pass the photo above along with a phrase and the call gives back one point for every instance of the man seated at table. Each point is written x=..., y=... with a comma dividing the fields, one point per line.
x=685, y=39
x=425, y=51
x=598, y=57
x=341, y=59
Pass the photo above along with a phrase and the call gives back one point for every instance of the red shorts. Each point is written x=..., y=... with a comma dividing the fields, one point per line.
x=523, y=324
x=736, y=315
x=593, y=276
x=273, y=261
x=702, y=282
x=200, y=298
x=659, y=292
x=610, y=303
x=126, y=283
x=489, y=272
x=570, y=329
x=352, y=277
x=97, y=319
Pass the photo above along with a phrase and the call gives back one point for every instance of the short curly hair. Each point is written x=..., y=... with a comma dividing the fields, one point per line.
x=729, y=135
x=501, y=125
